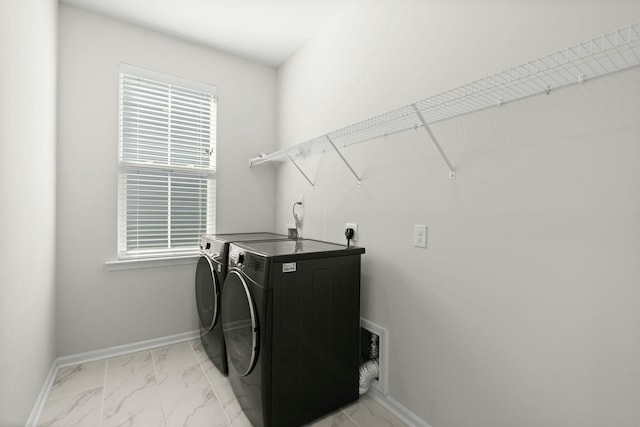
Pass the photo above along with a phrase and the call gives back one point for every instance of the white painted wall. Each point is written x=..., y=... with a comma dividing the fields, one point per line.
x=524, y=308
x=28, y=39
x=99, y=308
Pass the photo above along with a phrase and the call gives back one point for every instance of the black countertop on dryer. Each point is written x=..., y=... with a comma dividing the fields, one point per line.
x=292, y=250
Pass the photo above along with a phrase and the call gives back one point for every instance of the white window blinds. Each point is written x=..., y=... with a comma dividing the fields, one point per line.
x=166, y=164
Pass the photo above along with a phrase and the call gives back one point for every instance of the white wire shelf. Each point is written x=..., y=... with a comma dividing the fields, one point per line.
x=608, y=53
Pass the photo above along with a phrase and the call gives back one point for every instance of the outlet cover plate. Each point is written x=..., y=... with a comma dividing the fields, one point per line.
x=419, y=235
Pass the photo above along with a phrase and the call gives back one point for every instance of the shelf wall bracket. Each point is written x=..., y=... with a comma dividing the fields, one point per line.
x=300, y=170
x=343, y=159
x=452, y=172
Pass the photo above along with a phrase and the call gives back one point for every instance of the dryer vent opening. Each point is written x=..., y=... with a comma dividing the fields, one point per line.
x=373, y=363
x=369, y=355
x=369, y=345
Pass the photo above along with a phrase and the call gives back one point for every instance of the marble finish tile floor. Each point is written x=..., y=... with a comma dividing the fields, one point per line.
x=171, y=386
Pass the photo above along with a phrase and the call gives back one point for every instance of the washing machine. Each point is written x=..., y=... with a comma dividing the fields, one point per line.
x=291, y=322
x=210, y=274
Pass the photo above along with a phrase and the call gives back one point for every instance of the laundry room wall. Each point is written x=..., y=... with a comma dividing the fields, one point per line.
x=98, y=308
x=523, y=310
x=28, y=39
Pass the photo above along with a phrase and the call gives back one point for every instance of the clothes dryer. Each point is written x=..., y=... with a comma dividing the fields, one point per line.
x=291, y=322
x=210, y=274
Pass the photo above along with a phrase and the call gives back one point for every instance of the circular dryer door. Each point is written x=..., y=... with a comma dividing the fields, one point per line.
x=207, y=293
x=239, y=323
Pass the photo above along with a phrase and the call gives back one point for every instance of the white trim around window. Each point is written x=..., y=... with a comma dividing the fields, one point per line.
x=167, y=165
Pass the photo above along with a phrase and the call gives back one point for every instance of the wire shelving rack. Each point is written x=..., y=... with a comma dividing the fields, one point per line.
x=611, y=52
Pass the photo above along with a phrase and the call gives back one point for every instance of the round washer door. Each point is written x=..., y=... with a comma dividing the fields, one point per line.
x=239, y=323
x=207, y=293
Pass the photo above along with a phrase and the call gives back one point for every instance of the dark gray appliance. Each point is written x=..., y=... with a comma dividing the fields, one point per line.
x=291, y=322
x=210, y=274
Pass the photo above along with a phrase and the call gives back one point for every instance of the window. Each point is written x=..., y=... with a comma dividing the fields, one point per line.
x=166, y=189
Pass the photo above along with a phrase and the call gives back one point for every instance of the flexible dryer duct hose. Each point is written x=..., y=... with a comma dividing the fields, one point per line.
x=368, y=373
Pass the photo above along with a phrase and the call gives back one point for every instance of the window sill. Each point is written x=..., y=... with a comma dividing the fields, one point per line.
x=131, y=264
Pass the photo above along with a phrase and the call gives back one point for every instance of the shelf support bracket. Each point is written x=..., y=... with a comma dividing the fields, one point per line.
x=343, y=159
x=300, y=170
x=452, y=172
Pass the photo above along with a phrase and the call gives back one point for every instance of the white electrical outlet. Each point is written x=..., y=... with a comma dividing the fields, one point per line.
x=419, y=236
x=353, y=226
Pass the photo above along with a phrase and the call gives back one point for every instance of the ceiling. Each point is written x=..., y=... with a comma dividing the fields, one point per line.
x=267, y=31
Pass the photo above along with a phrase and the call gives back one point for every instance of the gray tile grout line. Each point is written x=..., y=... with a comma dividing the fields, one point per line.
x=84, y=390
x=157, y=388
x=224, y=411
x=104, y=390
x=349, y=416
x=392, y=415
x=70, y=394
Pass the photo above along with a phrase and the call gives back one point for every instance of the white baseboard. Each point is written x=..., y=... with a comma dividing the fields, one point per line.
x=119, y=350
x=91, y=356
x=34, y=417
x=397, y=409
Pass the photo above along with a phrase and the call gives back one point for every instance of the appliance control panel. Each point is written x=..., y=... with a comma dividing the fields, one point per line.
x=236, y=256
x=252, y=264
x=209, y=247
